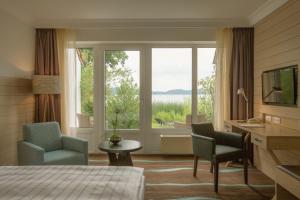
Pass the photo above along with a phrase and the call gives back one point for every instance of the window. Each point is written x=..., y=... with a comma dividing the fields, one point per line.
x=122, y=89
x=206, y=84
x=84, y=87
x=170, y=80
x=171, y=87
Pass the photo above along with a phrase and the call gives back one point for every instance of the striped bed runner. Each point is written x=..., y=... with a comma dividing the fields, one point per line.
x=71, y=182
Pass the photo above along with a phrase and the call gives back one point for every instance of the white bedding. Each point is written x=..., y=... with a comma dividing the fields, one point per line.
x=71, y=182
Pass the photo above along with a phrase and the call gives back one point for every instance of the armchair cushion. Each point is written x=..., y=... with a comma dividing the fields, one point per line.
x=76, y=144
x=227, y=153
x=46, y=135
x=64, y=157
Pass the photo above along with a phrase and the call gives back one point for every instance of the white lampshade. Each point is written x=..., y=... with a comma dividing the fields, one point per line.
x=241, y=91
x=45, y=84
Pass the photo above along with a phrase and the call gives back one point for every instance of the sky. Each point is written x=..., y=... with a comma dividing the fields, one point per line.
x=172, y=67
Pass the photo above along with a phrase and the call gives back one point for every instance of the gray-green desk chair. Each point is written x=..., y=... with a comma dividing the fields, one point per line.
x=217, y=147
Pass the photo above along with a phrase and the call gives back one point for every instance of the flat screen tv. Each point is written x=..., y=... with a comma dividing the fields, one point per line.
x=279, y=86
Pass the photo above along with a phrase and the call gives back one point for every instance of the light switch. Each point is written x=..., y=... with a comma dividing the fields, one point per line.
x=268, y=118
x=276, y=120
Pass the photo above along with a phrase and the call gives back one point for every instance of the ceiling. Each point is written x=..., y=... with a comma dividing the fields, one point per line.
x=92, y=12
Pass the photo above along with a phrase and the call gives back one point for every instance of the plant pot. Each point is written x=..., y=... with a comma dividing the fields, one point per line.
x=115, y=139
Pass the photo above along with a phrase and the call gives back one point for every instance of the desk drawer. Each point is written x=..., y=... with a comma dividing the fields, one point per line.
x=259, y=140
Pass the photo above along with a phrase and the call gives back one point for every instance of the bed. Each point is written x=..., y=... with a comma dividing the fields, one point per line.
x=71, y=182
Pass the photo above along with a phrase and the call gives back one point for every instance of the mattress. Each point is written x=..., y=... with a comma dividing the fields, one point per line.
x=71, y=182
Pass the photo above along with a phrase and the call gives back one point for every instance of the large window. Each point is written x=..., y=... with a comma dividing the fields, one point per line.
x=171, y=87
x=206, y=84
x=122, y=89
x=171, y=80
x=84, y=90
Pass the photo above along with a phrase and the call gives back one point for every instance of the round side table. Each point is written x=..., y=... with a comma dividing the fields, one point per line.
x=119, y=155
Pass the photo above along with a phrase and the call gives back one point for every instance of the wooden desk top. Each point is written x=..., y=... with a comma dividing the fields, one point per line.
x=269, y=130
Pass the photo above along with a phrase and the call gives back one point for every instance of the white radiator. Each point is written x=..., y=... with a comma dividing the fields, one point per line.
x=176, y=144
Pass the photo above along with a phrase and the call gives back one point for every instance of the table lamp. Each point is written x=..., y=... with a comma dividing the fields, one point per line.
x=46, y=85
x=241, y=91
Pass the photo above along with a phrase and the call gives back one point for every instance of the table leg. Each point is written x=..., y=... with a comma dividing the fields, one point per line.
x=125, y=159
x=113, y=159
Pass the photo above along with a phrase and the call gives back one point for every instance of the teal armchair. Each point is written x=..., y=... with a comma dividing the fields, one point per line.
x=217, y=147
x=44, y=144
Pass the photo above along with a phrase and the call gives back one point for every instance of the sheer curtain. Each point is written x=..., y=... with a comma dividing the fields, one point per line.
x=222, y=84
x=66, y=50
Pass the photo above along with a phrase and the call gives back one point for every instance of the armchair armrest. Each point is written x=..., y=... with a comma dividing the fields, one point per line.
x=30, y=154
x=75, y=144
x=230, y=139
x=204, y=147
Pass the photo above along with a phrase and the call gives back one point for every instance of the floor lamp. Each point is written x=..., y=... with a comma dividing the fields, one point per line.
x=46, y=85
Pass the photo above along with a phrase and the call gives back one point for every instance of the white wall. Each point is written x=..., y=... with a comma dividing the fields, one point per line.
x=147, y=34
x=16, y=99
x=16, y=47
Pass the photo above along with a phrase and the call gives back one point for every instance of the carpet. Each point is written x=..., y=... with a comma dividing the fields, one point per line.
x=170, y=177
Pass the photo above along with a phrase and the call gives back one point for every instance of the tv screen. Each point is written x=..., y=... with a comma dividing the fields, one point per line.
x=279, y=86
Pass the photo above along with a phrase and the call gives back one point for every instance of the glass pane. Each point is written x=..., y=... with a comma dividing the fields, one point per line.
x=171, y=87
x=206, y=84
x=85, y=87
x=122, y=89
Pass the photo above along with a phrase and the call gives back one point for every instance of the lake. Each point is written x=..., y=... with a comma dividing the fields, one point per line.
x=170, y=98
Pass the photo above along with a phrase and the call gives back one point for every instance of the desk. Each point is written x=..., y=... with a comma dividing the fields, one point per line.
x=266, y=140
x=271, y=137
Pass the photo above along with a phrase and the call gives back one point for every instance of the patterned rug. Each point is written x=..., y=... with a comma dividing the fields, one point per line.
x=170, y=177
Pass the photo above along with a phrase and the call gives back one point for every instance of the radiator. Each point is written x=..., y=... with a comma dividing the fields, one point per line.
x=176, y=144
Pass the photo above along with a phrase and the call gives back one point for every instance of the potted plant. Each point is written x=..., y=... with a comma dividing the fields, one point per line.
x=115, y=138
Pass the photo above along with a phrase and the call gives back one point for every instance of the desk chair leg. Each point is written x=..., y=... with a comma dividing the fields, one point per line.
x=216, y=175
x=195, y=165
x=245, y=161
x=211, y=167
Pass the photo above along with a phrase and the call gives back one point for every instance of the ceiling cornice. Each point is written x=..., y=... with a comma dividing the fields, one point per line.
x=264, y=10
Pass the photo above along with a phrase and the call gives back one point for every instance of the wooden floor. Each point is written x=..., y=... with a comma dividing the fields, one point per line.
x=170, y=177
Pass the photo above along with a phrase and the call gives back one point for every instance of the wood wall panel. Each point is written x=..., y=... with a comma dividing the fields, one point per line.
x=277, y=44
x=271, y=41
x=286, y=11
x=16, y=109
x=278, y=28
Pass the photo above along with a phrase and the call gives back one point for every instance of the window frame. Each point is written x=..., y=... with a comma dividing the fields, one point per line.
x=145, y=110
x=78, y=90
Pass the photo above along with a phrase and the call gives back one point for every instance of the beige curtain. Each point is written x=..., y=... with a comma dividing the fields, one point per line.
x=222, y=87
x=66, y=50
